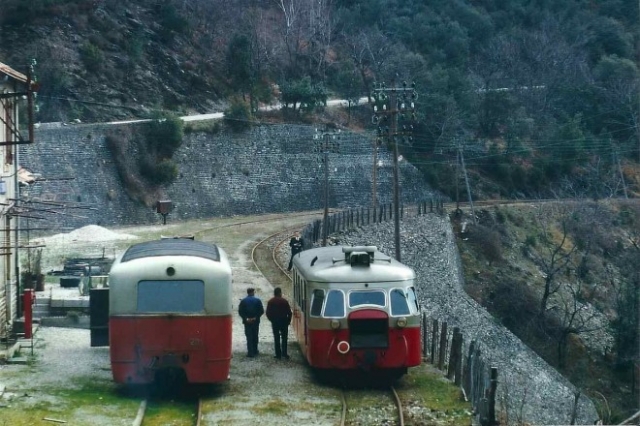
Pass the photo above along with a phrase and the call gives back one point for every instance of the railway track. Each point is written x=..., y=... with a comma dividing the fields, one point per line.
x=388, y=398
x=151, y=412
x=387, y=413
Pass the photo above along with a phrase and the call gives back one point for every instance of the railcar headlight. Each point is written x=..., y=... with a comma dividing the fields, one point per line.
x=402, y=322
x=335, y=324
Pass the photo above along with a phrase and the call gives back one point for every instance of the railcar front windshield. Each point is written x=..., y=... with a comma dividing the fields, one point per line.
x=170, y=296
x=367, y=297
x=403, y=301
x=334, y=307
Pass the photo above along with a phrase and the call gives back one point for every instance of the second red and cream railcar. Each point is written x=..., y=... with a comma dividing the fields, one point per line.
x=170, y=311
x=356, y=309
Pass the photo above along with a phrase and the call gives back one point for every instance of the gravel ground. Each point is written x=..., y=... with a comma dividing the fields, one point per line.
x=262, y=389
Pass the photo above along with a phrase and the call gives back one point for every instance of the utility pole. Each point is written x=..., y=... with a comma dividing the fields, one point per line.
x=466, y=181
x=374, y=177
x=326, y=142
x=390, y=104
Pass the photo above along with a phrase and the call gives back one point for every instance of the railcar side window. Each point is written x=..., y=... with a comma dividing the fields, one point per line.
x=335, y=304
x=317, y=300
x=357, y=298
x=413, y=299
x=399, y=302
x=171, y=296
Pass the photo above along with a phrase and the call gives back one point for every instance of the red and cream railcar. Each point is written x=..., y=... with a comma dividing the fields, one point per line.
x=356, y=309
x=170, y=311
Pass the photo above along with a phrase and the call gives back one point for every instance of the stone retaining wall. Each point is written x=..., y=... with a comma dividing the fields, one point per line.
x=270, y=168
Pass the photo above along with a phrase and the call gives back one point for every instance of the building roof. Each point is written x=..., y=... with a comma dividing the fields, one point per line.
x=7, y=70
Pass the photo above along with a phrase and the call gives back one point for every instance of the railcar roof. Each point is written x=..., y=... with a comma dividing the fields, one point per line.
x=383, y=268
x=172, y=247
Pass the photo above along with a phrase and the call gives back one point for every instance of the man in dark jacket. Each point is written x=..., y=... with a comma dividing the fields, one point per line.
x=251, y=309
x=279, y=313
x=296, y=243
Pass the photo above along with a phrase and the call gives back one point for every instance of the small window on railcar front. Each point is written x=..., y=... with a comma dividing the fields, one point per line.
x=334, y=308
x=317, y=300
x=171, y=296
x=413, y=299
x=399, y=302
x=372, y=297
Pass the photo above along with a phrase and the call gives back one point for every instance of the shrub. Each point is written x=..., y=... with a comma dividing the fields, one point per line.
x=163, y=173
x=91, y=56
x=489, y=242
x=164, y=135
x=238, y=115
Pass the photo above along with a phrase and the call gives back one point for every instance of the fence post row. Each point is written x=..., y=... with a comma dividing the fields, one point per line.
x=434, y=333
x=443, y=345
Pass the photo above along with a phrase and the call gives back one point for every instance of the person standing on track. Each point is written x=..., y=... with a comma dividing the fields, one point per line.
x=296, y=243
x=279, y=313
x=251, y=309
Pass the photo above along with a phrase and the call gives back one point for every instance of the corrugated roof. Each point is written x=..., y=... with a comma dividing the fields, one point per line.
x=6, y=69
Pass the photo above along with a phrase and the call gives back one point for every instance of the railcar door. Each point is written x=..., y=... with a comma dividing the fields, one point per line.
x=305, y=317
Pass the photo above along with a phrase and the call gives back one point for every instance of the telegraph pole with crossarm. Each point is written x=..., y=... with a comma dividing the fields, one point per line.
x=390, y=104
x=326, y=142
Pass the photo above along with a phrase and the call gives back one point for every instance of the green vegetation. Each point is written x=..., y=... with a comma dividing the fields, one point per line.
x=211, y=127
x=91, y=398
x=92, y=56
x=238, y=116
x=303, y=95
x=539, y=96
x=275, y=406
x=436, y=392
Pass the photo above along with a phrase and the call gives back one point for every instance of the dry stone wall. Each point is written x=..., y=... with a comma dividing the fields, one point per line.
x=270, y=168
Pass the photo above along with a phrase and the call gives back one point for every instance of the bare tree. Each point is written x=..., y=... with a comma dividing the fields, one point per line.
x=370, y=53
x=575, y=317
x=553, y=259
x=290, y=11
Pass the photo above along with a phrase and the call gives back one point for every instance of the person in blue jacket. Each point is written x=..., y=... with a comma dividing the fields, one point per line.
x=250, y=310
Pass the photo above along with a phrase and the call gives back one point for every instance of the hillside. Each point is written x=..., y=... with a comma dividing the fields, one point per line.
x=537, y=97
x=586, y=255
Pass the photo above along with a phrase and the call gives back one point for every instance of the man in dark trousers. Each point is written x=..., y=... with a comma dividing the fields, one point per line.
x=296, y=245
x=251, y=310
x=279, y=313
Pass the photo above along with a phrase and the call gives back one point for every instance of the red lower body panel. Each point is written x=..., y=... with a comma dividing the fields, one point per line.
x=198, y=345
x=403, y=351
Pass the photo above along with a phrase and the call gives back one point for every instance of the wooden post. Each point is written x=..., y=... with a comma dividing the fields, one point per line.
x=424, y=336
x=467, y=369
x=492, y=396
x=443, y=346
x=453, y=355
x=458, y=366
x=434, y=335
x=574, y=412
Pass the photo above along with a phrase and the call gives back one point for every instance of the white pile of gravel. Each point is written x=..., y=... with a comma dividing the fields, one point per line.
x=88, y=241
x=88, y=233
